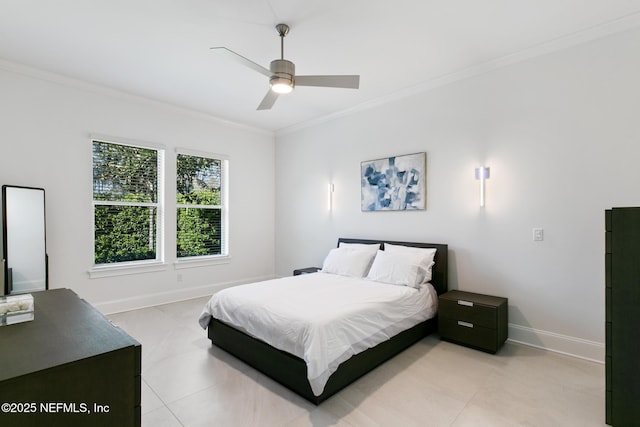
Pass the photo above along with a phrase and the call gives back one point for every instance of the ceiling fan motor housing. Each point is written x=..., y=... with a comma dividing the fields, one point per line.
x=282, y=70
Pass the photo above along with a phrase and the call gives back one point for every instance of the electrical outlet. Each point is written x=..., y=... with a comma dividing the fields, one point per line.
x=538, y=234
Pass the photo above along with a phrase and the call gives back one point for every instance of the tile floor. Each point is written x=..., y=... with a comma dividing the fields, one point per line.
x=189, y=382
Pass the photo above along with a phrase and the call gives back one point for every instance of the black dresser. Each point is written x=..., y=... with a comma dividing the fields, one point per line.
x=622, y=305
x=70, y=366
x=473, y=320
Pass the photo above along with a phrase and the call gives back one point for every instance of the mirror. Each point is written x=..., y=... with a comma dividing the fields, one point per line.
x=24, y=240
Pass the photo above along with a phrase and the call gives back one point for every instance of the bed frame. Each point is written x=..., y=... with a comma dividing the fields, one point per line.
x=291, y=371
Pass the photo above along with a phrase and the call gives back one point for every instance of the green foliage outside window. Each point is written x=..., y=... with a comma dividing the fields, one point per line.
x=200, y=223
x=124, y=233
x=198, y=232
x=124, y=174
x=125, y=193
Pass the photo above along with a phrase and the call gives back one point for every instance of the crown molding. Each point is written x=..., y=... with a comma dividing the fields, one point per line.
x=74, y=83
x=625, y=23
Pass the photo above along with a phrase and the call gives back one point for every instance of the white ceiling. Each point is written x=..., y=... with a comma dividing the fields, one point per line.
x=159, y=49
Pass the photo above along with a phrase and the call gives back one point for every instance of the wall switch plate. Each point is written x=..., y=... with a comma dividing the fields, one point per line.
x=538, y=234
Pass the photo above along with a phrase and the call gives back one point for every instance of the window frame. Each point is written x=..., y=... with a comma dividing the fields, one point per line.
x=224, y=256
x=137, y=266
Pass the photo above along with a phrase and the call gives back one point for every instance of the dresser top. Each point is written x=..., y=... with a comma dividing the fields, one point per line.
x=65, y=329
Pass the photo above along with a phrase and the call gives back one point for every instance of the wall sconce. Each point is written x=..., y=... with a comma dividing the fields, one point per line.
x=482, y=173
x=330, y=191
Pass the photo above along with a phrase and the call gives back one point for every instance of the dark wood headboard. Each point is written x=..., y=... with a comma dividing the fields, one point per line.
x=439, y=278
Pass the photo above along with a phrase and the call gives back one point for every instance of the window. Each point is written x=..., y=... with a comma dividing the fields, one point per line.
x=126, y=203
x=201, y=207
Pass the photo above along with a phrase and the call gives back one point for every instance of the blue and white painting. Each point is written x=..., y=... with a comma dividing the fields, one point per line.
x=394, y=184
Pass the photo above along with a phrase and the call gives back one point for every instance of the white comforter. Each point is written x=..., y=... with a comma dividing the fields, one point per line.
x=322, y=318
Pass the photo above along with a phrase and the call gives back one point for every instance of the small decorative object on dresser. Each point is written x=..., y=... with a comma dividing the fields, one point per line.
x=16, y=309
x=306, y=270
x=474, y=320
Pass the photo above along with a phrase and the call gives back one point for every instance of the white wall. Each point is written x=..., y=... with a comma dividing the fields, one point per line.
x=561, y=135
x=44, y=142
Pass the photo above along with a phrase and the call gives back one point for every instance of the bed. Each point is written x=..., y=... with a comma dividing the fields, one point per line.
x=289, y=367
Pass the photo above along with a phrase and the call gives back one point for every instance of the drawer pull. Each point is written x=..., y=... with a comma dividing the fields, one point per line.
x=465, y=324
x=465, y=303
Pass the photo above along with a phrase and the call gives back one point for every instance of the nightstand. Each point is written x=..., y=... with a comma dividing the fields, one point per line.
x=473, y=320
x=306, y=270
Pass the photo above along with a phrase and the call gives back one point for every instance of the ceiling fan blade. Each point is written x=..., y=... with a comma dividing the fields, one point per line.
x=349, y=82
x=242, y=60
x=268, y=100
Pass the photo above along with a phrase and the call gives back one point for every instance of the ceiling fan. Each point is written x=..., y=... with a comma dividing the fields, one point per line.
x=282, y=76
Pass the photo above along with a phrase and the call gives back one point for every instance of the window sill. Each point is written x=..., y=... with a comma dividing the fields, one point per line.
x=125, y=269
x=202, y=261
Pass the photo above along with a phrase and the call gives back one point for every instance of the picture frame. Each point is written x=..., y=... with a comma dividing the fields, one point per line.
x=396, y=183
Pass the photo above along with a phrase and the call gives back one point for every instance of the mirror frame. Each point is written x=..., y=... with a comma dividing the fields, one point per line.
x=5, y=272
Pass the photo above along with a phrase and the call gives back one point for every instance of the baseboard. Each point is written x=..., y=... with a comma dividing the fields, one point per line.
x=159, y=298
x=558, y=343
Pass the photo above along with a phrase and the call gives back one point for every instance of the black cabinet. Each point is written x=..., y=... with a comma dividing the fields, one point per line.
x=70, y=366
x=474, y=320
x=622, y=304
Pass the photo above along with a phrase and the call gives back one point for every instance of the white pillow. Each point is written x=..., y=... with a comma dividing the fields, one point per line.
x=373, y=248
x=348, y=262
x=397, y=269
x=425, y=256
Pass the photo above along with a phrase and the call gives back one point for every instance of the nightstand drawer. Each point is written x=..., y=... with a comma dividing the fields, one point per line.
x=468, y=311
x=476, y=320
x=468, y=334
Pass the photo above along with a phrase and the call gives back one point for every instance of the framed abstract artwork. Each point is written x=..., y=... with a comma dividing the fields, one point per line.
x=394, y=184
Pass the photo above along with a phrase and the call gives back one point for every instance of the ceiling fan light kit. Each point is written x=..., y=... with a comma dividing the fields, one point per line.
x=282, y=79
x=281, y=86
x=282, y=75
